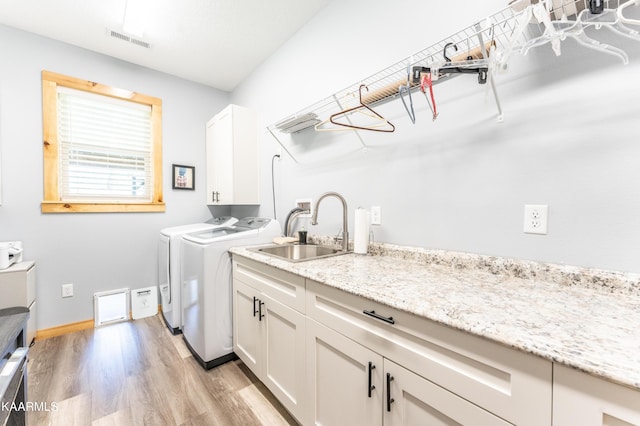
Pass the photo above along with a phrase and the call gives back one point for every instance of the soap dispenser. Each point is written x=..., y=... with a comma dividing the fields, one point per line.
x=302, y=236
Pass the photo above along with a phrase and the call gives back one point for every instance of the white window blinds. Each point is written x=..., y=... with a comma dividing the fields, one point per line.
x=105, y=148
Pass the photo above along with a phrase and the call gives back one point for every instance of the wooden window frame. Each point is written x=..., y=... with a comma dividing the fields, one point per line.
x=52, y=202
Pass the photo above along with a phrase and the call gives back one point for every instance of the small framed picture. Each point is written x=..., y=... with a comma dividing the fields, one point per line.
x=184, y=177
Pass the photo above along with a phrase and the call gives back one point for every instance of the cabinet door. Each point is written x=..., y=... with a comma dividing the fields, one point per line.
x=410, y=400
x=283, y=340
x=246, y=325
x=338, y=371
x=220, y=159
x=581, y=399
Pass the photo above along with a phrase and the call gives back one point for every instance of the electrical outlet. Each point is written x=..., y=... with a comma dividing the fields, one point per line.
x=536, y=218
x=376, y=215
x=67, y=290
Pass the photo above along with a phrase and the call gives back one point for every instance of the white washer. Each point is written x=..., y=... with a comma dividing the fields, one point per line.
x=206, y=286
x=169, y=267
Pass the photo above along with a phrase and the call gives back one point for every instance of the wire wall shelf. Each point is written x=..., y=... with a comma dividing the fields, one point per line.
x=482, y=49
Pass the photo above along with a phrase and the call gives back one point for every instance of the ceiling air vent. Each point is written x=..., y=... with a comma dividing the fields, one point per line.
x=128, y=38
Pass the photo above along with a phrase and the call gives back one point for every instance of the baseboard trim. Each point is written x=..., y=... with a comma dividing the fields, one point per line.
x=47, y=333
x=60, y=330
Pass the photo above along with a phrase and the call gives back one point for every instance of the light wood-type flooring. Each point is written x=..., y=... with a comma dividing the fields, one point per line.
x=137, y=373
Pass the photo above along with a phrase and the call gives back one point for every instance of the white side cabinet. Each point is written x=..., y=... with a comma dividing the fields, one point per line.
x=18, y=288
x=232, y=157
x=582, y=399
x=269, y=329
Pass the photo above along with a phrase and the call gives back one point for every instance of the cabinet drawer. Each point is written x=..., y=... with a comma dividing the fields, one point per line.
x=282, y=286
x=511, y=384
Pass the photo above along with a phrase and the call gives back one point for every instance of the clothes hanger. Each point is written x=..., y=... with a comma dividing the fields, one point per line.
x=410, y=112
x=576, y=32
x=582, y=39
x=463, y=64
x=428, y=82
x=407, y=89
x=551, y=33
x=382, y=124
x=319, y=127
x=444, y=51
x=442, y=70
x=624, y=19
x=556, y=31
x=374, y=128
x=610, y=19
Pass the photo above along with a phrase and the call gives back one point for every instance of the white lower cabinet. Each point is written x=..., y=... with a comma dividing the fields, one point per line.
x=582, y=399
x=352, y=385
x=458, y=377
x=247, y=330
x=269, y=336
x=413, y=400
x=344, y=380
x=333, y=358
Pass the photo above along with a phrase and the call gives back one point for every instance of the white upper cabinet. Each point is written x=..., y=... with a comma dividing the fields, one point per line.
x=232, y=157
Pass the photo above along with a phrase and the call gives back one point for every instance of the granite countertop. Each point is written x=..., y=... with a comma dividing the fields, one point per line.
x=587, y=319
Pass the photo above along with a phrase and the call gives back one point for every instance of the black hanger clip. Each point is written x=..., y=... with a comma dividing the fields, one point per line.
x=482, y=72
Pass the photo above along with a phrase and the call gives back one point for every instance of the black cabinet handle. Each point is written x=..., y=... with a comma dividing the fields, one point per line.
x=373, y=314
x=255, y=311
x=371, y=387
x=389, y=399
x=260, y=314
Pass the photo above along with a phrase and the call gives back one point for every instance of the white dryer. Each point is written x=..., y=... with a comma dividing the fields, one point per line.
x=169, y=267
x=206, y=286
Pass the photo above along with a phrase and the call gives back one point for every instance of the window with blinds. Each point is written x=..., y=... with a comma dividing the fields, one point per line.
x=102, y=148
x=105, y=148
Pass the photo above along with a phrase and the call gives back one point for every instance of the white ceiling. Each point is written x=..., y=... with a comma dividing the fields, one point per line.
x=213, y=42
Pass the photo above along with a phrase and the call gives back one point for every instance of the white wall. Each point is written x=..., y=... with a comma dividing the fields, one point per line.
x=569, y=140
x=95, y=252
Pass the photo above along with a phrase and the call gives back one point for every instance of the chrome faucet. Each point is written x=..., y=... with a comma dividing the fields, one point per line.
x=345, y=232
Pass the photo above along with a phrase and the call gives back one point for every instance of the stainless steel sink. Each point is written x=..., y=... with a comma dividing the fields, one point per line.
x=298, y=252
